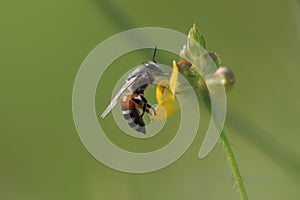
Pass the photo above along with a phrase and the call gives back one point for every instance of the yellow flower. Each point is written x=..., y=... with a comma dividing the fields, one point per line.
x=165, y=96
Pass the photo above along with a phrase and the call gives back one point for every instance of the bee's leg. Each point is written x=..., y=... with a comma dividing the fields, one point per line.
x=147, y=106
x=140, y=103
x=150, y=107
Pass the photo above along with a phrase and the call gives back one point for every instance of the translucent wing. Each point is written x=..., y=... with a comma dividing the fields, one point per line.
x=115, y=99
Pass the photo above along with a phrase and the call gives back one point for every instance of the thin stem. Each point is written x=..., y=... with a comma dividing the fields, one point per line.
x=234, y=166
x=229, y=154
x=228, y=150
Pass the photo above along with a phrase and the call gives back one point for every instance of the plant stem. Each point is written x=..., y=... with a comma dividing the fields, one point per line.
x=204, y=93
x=234, y=166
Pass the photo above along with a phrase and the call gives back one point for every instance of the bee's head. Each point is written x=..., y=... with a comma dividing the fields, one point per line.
x=154, y=69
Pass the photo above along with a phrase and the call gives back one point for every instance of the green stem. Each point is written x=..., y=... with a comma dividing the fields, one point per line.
x=228, y=150
x=234, y=166
x=204, y=93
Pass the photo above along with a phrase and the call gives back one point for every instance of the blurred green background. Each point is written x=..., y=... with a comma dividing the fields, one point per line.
x=42, y=46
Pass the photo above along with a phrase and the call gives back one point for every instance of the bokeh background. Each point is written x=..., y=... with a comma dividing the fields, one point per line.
x=42, y=45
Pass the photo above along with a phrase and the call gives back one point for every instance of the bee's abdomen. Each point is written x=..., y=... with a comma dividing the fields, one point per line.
x=132, y=114
x=134, y=120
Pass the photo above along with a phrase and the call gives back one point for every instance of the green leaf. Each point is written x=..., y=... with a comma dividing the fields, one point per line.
x=194, y=34
x=202, y=41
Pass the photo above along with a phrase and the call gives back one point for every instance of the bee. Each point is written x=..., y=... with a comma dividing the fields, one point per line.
x=131, y=103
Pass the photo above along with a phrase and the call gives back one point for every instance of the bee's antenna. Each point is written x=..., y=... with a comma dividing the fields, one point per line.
x=154, y=53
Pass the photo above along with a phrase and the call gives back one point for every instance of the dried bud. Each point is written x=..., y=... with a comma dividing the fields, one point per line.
x=215, y=57
x=184, y=67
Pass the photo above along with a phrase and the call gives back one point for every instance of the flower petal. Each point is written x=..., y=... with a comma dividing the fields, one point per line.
x=174, y=79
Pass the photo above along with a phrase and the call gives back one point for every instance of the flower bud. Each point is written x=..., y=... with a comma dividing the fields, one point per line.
x=222, y=76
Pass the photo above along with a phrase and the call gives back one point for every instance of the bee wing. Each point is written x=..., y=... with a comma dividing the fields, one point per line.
x=115, y=99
